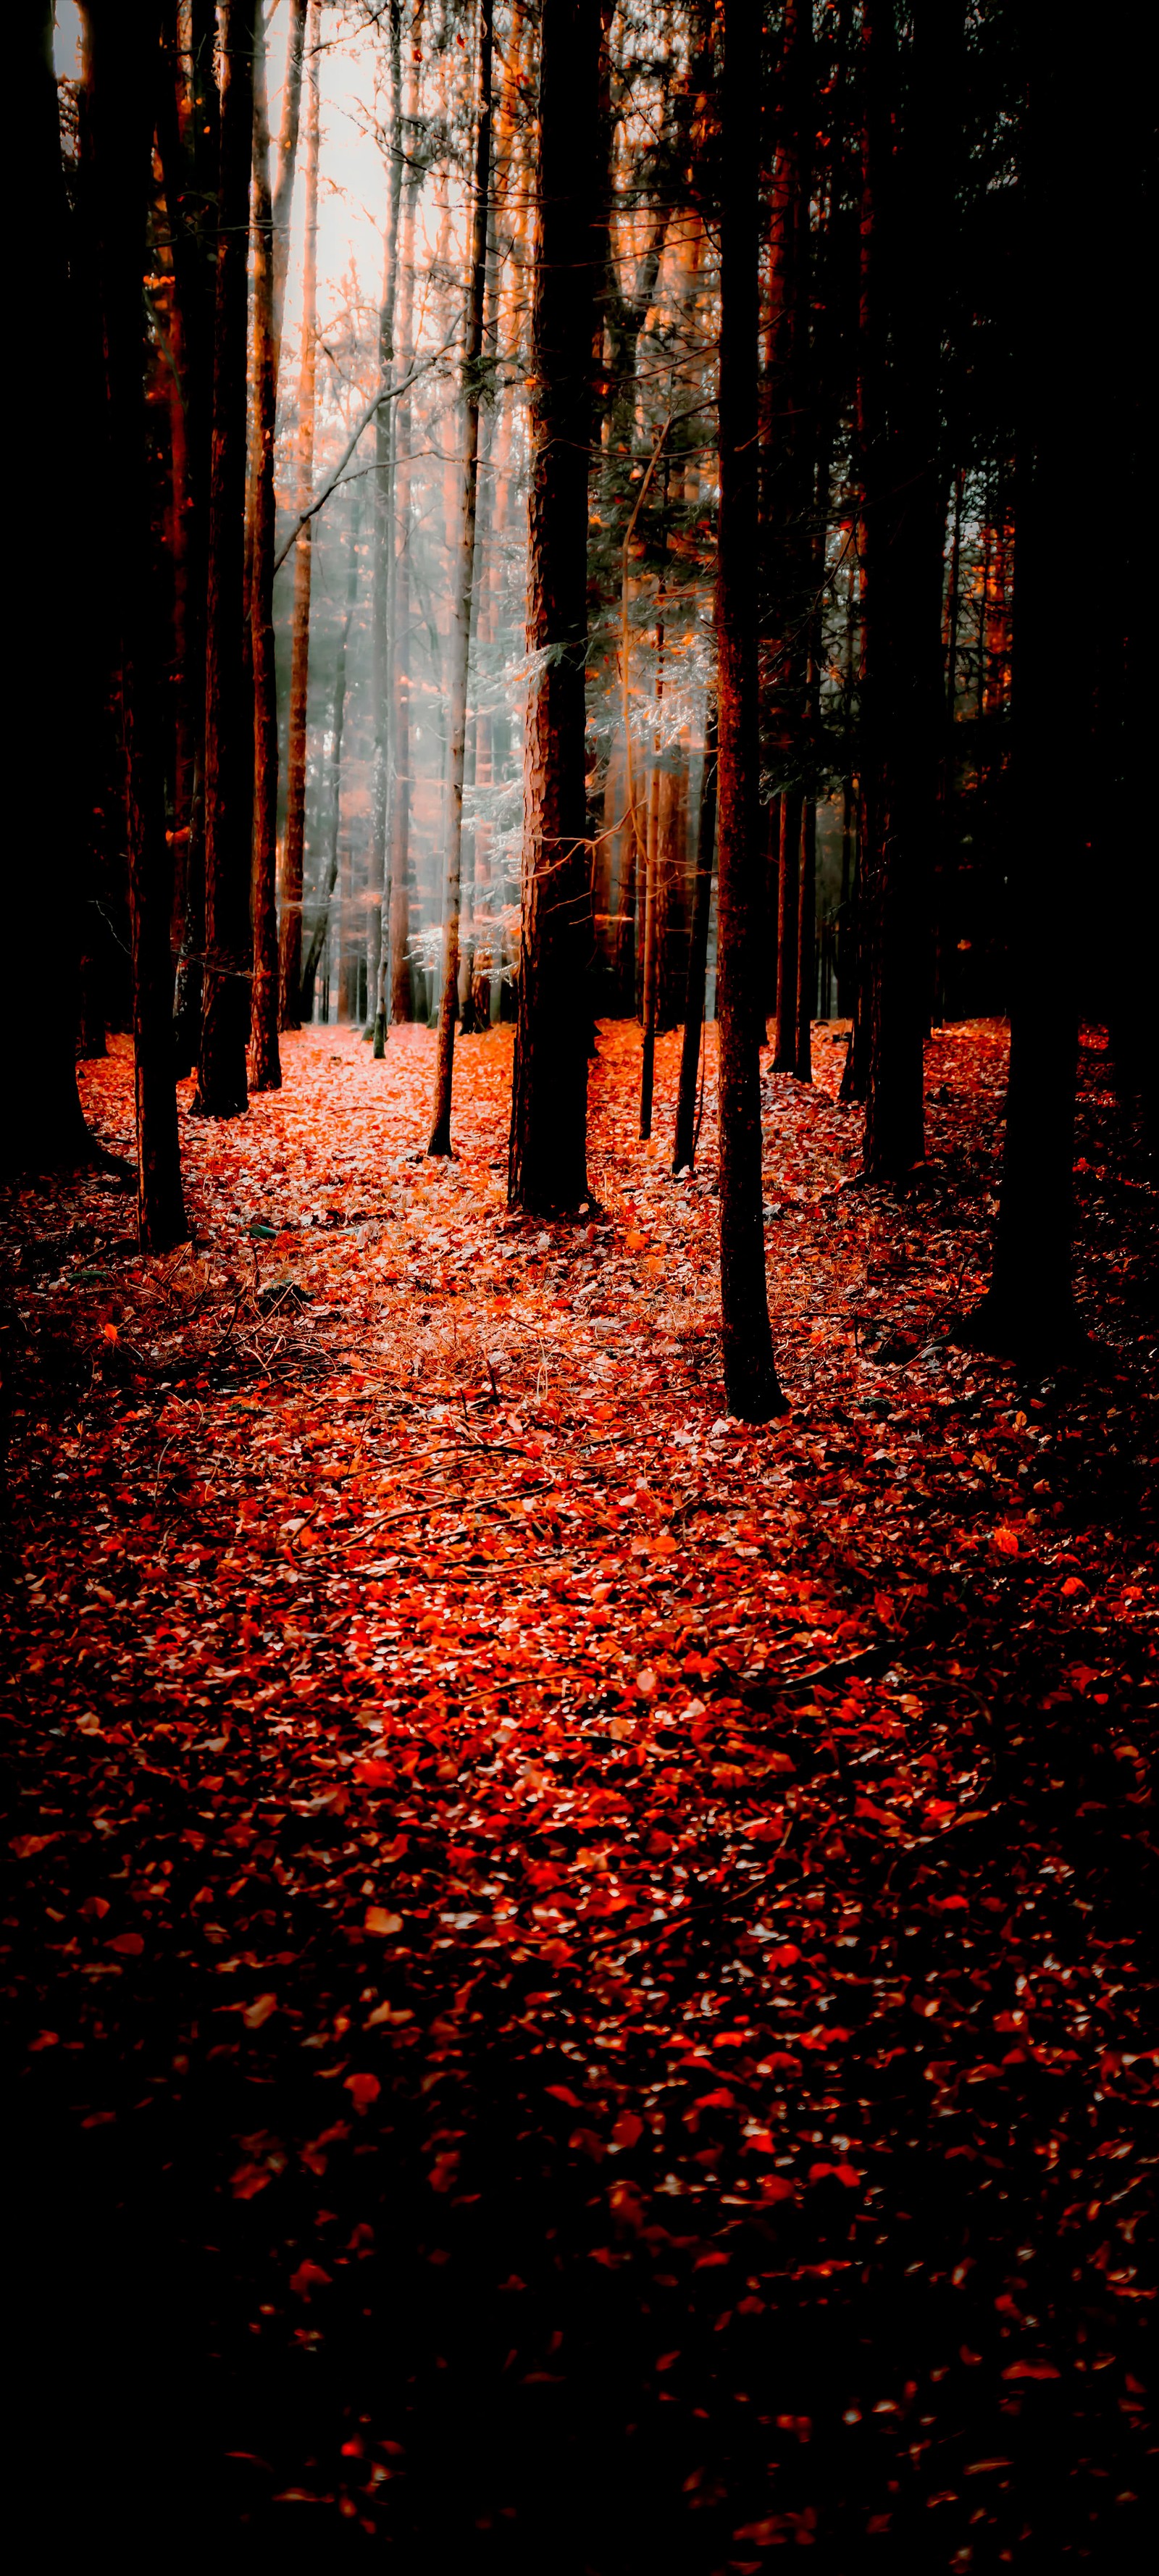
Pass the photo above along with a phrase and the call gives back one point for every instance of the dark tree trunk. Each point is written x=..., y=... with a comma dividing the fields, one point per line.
x=1067, y=453
x=265, y=1062
x=399, y=891
x=684, y=1142
x=120, y=90
x=290, y=935
x=47, y=551
x=378, y=939
x=788, y=931
x=440, y=1137
x=221, y=1073
x=750, y=1374
x=547, y=1159
x=806, y=959
x=786, y=478
x=188, y=136
x=906, y=238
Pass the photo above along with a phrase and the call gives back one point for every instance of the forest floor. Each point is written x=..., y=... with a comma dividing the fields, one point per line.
x=581, y=1978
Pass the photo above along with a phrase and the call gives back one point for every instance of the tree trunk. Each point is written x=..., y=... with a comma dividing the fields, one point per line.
x=287, y=156
x=49, y=561
x=788, y=932
x=547, y=1156
x=1066, y=453
x=787, y=493
x=221, y=1073
x=651, y=960
x=377, y=945
x=265, y=1062
x=290, y=944
x=806, y=959
x=684, y=1143
x=321, y=923
x=906, y=246
x=440, y=1138
x=119, y=80
x=750, y=1374
x=399, y=962
x=189, y=142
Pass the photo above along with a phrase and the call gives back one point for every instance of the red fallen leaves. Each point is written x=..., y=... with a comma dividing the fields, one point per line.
x=363, y=2090
x=1031, y=2370
x=526, y=1697
x=130, y=1944
x=842, y=2173
x=249, y=2179
x=309, y=2277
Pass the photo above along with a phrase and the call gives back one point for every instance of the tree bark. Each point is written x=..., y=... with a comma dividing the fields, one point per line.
x=119, y=80
x=290, y=939
x=651, y=961
x=806, y=958
x=377, y=946
x=321, y=923
x=788, y=931
x=684, y=1143
x=221, y=1073
x=547, y=1155
x=189, y=142
x=265, y=1062
x=287, y=156
x=399, y=963
x=906, y=243
x=48, y=562
x=440, y=1137
x=750, y=1375
x=1066, y=452
x=787, y=531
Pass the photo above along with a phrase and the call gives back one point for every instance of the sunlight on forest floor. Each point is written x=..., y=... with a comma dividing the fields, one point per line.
x=614, y=1929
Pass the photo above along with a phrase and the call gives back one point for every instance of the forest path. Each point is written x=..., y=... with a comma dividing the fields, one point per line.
x=577, y=1968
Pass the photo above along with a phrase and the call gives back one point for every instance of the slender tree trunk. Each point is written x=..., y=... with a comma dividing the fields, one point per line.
x=399, y=965
x=189, y=139
x=321, y=923
x=910, y=201
x=290, y=956
x=806, y=959
x=48, y=561
x=1064, y=457
x=547, y=1158
x=287, y=156
x=651, y=977
x=440, y=1138
x=788, y=931
x=221, y=1073
x=750, y=1374
x=684, y=1144
x=788, y=535
x=119, y=81
x=265, y=1062
x=377, y=945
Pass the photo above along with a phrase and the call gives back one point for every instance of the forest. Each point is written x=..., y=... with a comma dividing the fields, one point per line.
x=578, y=1240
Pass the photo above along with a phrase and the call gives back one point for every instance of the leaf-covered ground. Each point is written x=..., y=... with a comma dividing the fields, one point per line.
x=581, y=1979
